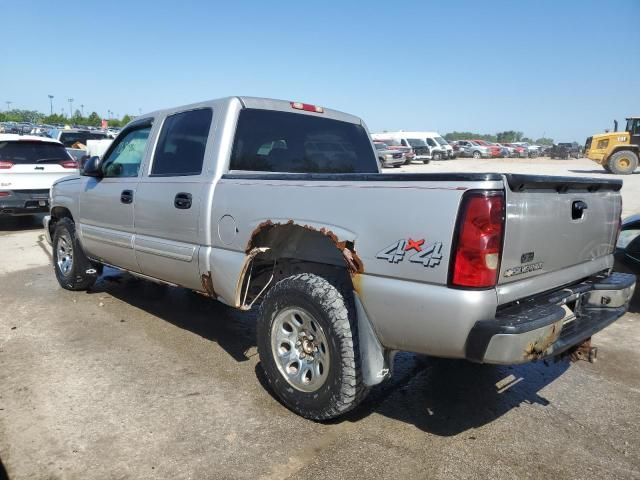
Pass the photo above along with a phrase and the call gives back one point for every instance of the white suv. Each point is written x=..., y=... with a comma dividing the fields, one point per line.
x=28, y=167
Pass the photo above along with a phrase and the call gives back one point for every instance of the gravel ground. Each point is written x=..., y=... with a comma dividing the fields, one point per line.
x=135, y=380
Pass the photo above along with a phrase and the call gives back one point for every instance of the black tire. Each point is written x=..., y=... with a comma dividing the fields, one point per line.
x=623, y=162
x=425, y=161
x=332, y=308
x=477, y=155
x=81, y=273
x=381, y=162
x=437, y=156
x=606, y=167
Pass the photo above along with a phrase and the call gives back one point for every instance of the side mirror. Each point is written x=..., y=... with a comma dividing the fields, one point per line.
x=91, y=167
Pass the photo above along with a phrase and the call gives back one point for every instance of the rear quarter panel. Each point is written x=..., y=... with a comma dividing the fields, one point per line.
x=407, y=301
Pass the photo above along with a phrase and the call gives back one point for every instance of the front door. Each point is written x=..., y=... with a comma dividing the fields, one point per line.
x=169, y=200
x=107, y=203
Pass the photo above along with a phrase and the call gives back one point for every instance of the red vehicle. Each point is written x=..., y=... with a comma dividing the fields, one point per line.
x=495, y=150
x=518, y=150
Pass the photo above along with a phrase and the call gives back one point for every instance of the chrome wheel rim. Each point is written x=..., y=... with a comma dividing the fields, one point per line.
x=300, y=349
x=64, y=254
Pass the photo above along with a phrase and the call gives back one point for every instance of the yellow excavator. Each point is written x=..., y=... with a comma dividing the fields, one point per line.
x=617, y=152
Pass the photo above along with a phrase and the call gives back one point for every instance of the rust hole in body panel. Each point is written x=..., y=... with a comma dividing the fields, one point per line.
x=207, y=285
x=352, y=261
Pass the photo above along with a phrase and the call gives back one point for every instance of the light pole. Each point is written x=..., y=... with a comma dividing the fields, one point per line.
x=51, y=103
x=70, y=100
x=82, y=109
x=8, y=102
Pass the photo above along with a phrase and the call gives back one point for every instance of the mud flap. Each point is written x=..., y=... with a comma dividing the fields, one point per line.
x=373, y=358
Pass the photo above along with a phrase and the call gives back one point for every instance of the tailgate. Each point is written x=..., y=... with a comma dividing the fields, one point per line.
x=33, y=176
x=554, y=223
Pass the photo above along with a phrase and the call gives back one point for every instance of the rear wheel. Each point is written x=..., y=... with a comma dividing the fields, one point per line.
x=623, y=162
x=437, y=156
x=477, y=154
x=73, y=269
x=308, y=346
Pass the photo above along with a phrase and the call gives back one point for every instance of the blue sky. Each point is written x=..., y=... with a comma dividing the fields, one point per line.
x=561, y=68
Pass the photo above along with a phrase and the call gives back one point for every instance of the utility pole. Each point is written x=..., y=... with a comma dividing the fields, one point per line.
x=70, y=100
x=82, y=109
x=8, y=105
x=51, y=103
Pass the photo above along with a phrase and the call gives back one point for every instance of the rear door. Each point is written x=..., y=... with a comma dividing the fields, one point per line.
x=555, y=223
x=107, y=204
x=33, y=165
x=169, y=197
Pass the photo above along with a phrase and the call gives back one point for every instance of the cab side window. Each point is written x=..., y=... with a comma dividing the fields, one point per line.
x=126, y=155
x=182, y=143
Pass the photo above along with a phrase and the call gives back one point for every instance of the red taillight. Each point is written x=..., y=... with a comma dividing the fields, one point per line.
x=476, y=259
x=5, y=194
x=69, y=164
x=307, y=107
x=5, y=164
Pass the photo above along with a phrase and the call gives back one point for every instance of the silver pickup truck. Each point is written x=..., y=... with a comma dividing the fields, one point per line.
x=281, y=205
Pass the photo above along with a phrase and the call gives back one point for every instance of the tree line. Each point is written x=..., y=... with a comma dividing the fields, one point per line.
x=509, y=136
x=33, y=116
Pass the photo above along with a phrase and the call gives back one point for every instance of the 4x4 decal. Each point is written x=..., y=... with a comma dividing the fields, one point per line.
x=429, y=255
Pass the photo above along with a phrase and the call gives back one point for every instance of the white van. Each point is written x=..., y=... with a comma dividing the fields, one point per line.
x=417, y=144
x=438, y=146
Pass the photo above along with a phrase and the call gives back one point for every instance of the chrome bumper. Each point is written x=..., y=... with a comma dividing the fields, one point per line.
x=549, y=325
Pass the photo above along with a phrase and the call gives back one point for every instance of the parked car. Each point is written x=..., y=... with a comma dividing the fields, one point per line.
x=73, y=136
x=417, y=145
x=564, y=151
x=28, y=167
x=518, y=151
x=505, y=151
x=439, y=149
x=533, y=151
x=409, y=154
x=387, y=156
x=346, y=264
x=469, y=148
x=494, y=150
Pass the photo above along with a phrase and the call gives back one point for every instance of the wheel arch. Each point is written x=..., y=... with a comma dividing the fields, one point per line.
x=57, y=214
x=288, y=247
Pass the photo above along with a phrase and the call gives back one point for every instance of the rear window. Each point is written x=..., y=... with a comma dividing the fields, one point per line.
x=68, y=139
x=24, y=152
x=272, y=141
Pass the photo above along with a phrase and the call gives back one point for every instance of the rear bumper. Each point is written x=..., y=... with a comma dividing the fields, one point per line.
x=549, y=325
x=24, y=203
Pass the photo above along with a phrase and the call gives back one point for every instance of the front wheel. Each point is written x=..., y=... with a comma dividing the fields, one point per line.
x=308, y=346
x=74, y=271
x=623, y=163
x=477, y=155
x=437, y=156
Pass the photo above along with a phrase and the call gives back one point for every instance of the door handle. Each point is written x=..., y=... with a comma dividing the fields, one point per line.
x=126, y=196
x=182, y=201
